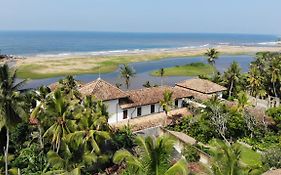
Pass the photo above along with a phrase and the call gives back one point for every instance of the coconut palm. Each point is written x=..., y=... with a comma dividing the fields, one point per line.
x=275, y=73
x=232, y=77
x=212, y=54
x=226, y=160
x=69, y=86
x=242, y=100
x=255, y=81
x=162, y=72
x=153, y=157
x=166, y=103
x=92, y=129
x=127, y=73
x=70, y=160
x=57, y=111
x=11, y=104
x=41, y=95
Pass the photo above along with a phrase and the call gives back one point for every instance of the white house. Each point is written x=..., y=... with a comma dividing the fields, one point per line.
x=123, y=105
x=146, y=101
x=201, y=88
x=134, y=103
x=109, y=94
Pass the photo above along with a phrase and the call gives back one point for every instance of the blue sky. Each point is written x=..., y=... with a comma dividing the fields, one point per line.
x=200, y=16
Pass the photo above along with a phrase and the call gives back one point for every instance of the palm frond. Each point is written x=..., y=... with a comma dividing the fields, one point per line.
x=179, y=168
x=55, y=160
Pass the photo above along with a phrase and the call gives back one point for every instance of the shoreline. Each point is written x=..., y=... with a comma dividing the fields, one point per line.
x=37, y=67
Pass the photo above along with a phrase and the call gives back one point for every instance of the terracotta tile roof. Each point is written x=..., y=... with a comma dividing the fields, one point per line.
x=201, y=85
x=102, y=90
x=196, y=95
x=273, y=172
x=153, y=95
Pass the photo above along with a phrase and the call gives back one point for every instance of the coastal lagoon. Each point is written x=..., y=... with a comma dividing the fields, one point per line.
x=143, y=70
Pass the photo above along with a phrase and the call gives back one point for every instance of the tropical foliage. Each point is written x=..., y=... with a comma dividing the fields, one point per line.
x=127, y=73
x=153, y=157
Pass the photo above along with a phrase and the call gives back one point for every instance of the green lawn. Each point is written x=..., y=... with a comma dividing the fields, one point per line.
x=192, y=69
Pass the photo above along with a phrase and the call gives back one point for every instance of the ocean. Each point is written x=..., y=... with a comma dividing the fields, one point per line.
x=96, y=43
x=32, y=43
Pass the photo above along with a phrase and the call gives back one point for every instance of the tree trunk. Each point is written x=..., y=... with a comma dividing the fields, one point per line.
x=274, y=89
x=40, y=137
x=7, y=150
x=230, y=89
x=127, y=83
x=58, y=147
x=222, y=135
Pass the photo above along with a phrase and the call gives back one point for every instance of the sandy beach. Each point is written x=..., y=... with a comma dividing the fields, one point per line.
x=46, y=66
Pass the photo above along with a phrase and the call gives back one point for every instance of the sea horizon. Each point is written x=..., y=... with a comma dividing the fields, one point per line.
x=62, y=43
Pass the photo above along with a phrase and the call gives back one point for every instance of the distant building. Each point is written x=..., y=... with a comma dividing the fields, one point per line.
x=202, y=89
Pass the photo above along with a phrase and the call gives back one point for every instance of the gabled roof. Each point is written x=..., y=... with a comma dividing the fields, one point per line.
x=201, y=85
x=102, y=90
x=153, y=95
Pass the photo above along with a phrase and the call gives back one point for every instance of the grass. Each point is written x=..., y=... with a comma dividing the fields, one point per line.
x=36, y=68
x=192, y=69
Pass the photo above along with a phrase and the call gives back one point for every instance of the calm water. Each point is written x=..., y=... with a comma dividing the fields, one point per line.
x=143, y=70
x=40, y=43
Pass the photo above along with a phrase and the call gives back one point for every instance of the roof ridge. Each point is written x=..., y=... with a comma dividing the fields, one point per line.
x=157, y=87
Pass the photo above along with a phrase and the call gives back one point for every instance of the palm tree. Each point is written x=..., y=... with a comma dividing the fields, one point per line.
x=70, y=160
x=167, y=103
x=57, y=111
x=275, y=72
x=153, y=157
x=243, y=101
x=232, y=77
x=127, y=73
x=92, y=127
x=69, y=87
x=41, y=95
x=11, y=104
x=212, y=55
x=226, y=160
x=162, y=72
x=255, y=80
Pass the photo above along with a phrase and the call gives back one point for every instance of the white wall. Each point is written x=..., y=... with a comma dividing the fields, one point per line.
x=145, y=110
x=114, y=110
x=116, y=113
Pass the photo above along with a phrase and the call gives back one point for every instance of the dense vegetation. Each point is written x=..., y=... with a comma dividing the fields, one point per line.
x=236, y=121
x=63, y=132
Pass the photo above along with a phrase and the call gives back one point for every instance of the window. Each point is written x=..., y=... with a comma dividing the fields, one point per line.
x=152, y=109
x=125, y=114
x=176, y=103
x=139, y=111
